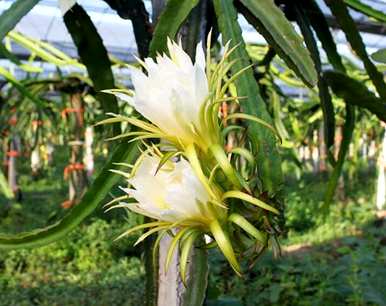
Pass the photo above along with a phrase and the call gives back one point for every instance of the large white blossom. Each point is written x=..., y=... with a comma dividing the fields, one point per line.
x=172, y=92
x=181, y=99
x=172, y=194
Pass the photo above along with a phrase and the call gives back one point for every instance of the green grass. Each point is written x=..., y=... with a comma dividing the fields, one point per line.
x=85, y=268
x=342, y=262
x=340, y=258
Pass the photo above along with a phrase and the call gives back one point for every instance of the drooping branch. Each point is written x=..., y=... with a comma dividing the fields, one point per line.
x=93, y=54
x=135, y=11
x=355, y=93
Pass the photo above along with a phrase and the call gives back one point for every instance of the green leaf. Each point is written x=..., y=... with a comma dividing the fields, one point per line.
x=43, y=50
x=135, y=11
x=21, y=88
x=348, y=129
x=323, y=91
x=366, y=9
x=355, y=93
x=4, y=187
x=14, y=59
x=320, y=25
x=322, y=30
x=348, y=26
x=90, y=201
x=288, y=44
x=10, y=17
x=263, y=140
x=276, y=107
x=171, y=19
x=379, y=56
x=93, y=55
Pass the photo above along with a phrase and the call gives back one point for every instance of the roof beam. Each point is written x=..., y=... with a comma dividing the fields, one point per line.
x=363, y=26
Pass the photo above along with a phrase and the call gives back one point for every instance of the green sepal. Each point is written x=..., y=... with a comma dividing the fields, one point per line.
x=186, y=246
x=164, y=159
x=248, y=227
x=248, y=198
x=115, y=200
x=244, y=153
x=141, y=226
x=191, y=155
x=225, y=245
x=173, y=245
x=222, y=160
x=150, y=232
x=231, y=128
x=254, y=119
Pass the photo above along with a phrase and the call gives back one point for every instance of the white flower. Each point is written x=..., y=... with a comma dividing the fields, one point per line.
x=172, y=92
x=172, y=194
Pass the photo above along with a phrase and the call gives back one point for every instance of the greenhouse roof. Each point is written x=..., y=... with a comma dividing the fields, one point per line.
x=45, y=22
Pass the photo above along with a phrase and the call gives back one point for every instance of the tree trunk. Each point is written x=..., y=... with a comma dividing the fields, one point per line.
x=75, y=171
x=172, y=291
x=50, y=152
x=364, y=146
x=322, y=150
x=381, y=181
x=170, y=286
x=36, y=161
x=5, y=157
x=88, y=154
x=372, y=153
x=315, y=152
x=36, y=156
x=12, y=170
x=340, y=190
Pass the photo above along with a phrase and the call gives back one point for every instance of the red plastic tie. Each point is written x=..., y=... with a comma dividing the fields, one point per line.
x=72, y=167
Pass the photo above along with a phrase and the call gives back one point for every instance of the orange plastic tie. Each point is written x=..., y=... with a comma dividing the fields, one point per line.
x=13, y=153
x=338, y=138
x=71, y=110
x=12, y=121
x=37, y=123
x=72, y=167
x=67, y=204
x=224, y=110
